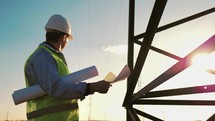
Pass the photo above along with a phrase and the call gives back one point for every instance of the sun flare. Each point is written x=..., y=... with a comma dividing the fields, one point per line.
x=204, y=61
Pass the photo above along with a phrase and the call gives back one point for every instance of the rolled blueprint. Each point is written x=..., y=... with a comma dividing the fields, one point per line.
x=27, y=94
x=81, y=75
x=32, y=92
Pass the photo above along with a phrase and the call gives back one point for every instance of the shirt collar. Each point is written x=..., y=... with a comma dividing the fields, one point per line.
x=46, y=44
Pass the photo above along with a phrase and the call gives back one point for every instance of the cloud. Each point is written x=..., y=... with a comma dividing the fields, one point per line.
x=118, y=49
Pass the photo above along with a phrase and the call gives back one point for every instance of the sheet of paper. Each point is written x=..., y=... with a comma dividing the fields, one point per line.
x=110, y=77
x=32, y=92
x=125, y=72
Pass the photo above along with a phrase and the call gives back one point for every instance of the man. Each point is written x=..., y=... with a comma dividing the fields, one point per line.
x=45, y=67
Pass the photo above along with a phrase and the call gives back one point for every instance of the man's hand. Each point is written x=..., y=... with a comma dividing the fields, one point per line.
x=100, y=87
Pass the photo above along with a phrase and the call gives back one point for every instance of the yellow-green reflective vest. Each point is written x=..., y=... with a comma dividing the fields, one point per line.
x=47, y=108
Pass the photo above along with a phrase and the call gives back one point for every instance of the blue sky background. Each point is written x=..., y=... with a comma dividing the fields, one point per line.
x=100, y=34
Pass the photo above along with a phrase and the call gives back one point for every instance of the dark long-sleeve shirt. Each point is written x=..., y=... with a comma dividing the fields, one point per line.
x=42, y=69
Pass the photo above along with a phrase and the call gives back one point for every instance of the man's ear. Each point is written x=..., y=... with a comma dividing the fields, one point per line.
x=64, y=37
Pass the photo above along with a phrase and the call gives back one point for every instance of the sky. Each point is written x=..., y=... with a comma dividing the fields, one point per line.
x=100, y=31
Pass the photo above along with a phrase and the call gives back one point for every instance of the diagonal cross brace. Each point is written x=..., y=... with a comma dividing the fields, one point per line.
x=150, y=32
x=181, y=91
x=181, y=65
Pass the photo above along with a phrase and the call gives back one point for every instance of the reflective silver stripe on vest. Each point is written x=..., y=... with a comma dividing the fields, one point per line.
x=52, y=109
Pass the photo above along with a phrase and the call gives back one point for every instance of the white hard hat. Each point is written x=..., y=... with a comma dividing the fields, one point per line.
x=59, y=23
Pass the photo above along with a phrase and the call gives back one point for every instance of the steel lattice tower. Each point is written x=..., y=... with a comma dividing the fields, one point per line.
x=140, y=98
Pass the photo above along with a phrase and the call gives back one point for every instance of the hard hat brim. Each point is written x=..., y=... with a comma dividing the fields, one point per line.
x=56, y=31
x=70, y=37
